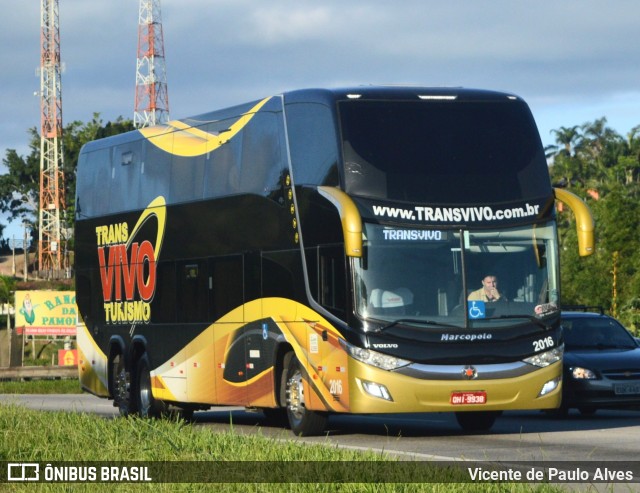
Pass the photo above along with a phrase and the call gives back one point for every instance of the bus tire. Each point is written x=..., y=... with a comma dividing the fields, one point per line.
x=186, y=414
x=302, y=421
x=276, y=417
x=121, y=386
x=148, y=406
x=477, y=420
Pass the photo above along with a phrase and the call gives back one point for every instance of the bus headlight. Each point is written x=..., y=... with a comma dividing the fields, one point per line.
x=547, y=358
x=550, y=386
x=373, y=358
x=376, y=390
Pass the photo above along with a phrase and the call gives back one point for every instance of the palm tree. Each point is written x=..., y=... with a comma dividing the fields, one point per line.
x=600, y=147
x=598, y=137
x=566, y=166
x=566, y=137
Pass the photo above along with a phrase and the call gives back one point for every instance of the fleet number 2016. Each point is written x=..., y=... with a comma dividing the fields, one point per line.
x=542, y=344
x=335, y=387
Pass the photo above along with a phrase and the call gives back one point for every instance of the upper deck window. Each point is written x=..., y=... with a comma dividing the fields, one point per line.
x=463, y=152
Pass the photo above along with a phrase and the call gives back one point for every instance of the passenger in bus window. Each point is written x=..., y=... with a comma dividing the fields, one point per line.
x=488, y=292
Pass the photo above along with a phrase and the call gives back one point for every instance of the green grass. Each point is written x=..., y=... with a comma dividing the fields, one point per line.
x=27, y=435
x=60, y=386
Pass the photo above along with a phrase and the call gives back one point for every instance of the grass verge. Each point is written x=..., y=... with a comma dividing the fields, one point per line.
x=60, y=386
x=50, y=437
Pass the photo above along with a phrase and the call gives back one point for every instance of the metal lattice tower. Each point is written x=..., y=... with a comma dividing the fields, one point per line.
x=152, y=99
x=52, y=200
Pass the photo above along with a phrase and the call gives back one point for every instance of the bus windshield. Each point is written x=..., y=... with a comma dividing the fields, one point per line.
x=462, y=152
x=428, y=277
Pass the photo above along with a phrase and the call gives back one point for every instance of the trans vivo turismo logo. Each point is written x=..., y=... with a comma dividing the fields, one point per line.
x=128, y=267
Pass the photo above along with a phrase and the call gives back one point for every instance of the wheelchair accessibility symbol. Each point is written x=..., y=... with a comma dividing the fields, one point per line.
x=476, y=309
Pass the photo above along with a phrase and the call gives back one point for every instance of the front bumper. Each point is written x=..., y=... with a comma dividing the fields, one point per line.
x=508, y=387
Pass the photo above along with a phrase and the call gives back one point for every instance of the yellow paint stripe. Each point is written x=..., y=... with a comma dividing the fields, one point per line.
x=315, y=379
x=160, y=389
x=260, y=375
x=157, y=208
x=181, y=139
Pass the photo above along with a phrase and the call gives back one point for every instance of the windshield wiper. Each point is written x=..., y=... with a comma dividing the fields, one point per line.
x=417, y=321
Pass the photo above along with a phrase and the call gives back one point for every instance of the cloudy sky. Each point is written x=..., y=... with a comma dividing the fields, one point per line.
x=572, y=60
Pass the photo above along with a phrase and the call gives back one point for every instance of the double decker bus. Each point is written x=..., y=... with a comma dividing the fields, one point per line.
x=313, y=253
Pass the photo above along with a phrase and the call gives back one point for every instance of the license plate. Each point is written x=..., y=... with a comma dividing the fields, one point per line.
x=627, y=388
x=459, y=398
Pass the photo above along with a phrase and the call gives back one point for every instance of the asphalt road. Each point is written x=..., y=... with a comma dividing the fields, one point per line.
x=516, y=436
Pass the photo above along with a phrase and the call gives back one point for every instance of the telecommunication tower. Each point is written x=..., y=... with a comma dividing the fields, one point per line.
x=52, y=200
x=152, y=99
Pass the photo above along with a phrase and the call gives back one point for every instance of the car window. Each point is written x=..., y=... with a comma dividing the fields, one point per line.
x=595, y=332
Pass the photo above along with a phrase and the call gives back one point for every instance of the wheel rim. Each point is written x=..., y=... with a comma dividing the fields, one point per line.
x=122, y=382
x=295, y=395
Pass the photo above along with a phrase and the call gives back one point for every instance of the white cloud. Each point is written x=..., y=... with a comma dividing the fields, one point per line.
x=279, y=25
x=571, y=54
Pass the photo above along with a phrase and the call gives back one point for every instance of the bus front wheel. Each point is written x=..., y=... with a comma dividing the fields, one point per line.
x=478, y=420
x=148, y=406
x=302, y=421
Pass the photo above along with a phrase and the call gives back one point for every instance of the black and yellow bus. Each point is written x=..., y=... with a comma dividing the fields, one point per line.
x=313, y=253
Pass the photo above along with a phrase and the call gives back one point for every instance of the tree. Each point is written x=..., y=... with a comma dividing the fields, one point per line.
x=566, y=139
x=604, y=168
x=20, y=187
x=602, y=145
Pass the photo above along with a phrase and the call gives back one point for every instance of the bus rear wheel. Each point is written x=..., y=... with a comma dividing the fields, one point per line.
x=302, y=421
x=148, y=406
x=477, y=420
x=121, y=386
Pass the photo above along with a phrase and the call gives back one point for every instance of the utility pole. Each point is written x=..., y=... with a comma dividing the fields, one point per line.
x=152, y=98
x=26, y=252
x=13, y=257
x=52, y=200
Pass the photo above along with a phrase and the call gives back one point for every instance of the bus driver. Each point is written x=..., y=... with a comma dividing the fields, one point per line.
x=488, y=292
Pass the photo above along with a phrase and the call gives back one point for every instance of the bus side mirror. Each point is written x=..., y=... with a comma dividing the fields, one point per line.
x=350, y=218
x=584, y=220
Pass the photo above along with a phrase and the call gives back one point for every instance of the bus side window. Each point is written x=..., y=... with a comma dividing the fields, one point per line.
x=156, y=166
x=277, y=275
x=192, y=292
x=225, y=284
x=221, y=173
x=94, y=180
x=218, y=170
x=164, y=299
x=312, y=138
x=327, y=276
x=125, y=177
x=332, y=278
x=187, y=174
x=261, y=155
